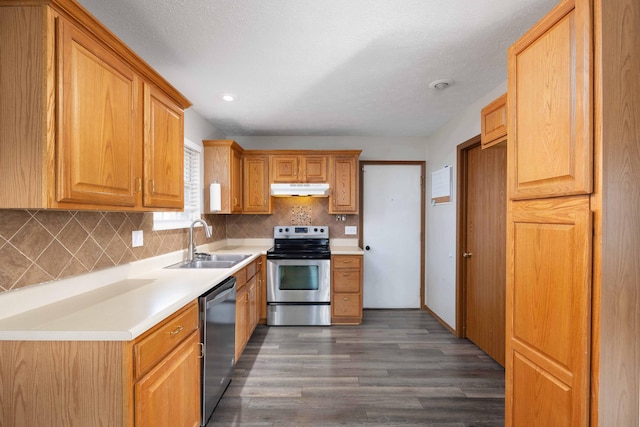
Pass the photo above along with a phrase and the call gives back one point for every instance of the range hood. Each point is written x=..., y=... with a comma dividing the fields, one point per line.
x=300, y=189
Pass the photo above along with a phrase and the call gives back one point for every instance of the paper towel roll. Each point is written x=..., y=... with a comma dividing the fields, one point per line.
x=215, y=199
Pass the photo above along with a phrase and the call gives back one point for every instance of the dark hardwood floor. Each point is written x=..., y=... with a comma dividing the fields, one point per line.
x=400, y=367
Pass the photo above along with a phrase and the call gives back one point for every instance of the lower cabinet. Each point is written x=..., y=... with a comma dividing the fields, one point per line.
x=248, y=302
x=262, y=290
x=346, y=289
x=165, y=397
x=151, y=381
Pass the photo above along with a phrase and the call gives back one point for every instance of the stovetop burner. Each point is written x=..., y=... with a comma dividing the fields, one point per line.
x=300, y=242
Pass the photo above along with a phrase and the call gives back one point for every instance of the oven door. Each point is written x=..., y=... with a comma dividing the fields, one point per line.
x=298, y=280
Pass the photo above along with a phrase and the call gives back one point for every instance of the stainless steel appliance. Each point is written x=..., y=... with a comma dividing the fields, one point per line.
x=299, y=276
x=218, y=336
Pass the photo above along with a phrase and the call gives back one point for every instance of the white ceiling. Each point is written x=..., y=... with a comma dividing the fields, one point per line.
x=324, y=67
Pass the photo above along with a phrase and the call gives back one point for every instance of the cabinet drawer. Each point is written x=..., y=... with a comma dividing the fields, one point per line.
x=346, y=261
x=251, y=269
x=346, y=305
x=241, y=278
x=346, y=281
x=163, y=339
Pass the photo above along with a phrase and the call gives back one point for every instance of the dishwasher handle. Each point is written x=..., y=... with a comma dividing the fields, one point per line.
x=220, y=293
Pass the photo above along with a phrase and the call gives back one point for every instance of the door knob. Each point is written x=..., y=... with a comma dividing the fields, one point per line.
x=367, y=248
x=467, y=255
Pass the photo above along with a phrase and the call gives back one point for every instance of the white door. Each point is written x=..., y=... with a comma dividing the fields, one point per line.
x=391, y=232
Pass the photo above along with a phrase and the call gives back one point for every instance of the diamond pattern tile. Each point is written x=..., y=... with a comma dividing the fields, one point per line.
x=37, y=246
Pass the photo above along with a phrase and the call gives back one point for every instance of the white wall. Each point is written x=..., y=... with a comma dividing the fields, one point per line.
x=440, y=295
x=196, y=128
x=373, y=148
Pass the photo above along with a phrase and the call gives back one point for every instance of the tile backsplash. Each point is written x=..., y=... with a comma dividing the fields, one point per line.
x=38, y=246
x=289, y=210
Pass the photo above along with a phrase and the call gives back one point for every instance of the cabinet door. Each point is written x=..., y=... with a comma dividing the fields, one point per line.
x=169, y=395
x=550, y=105
x=242, y=312
x=252, y=319
x=236, y=181
x=163, y=151
x=493, y=122
x=548, y=312
x=314, y=168
x=256, y=185
x=284, y=168
x=344, y=185
x=98, y=147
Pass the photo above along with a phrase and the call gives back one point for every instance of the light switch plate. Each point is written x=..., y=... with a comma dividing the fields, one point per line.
x=137, y=238
x=350, y=230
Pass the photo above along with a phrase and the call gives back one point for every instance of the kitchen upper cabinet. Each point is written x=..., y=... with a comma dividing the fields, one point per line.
x=76, y=116
x=493, y=122
x=298, y=168
x=163, y=150
x=257, y=199
x=344, y=184
x=223, y=164
x=551, y=105
x=98, y=158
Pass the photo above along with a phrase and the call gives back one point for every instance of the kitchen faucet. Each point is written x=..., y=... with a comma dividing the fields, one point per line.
x=192, y=245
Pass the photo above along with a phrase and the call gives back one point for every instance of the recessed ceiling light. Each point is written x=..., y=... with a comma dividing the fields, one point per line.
x=229, y=97
x=441, y=84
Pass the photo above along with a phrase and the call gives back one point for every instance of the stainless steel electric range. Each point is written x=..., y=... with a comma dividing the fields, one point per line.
x=299, y=276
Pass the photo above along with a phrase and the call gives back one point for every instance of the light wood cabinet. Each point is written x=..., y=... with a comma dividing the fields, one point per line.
x=344, y=185
x=256, y=191
x=223, y=164
x=78, y=117
x=151, y=381
x=549, y=311
x=262, y=289
x=165, y=397
x=493, y=122
x=549, y=221
x=163, y=150
x=550, y=103
x=302, y=168
x=346, y=289
x=247, y=304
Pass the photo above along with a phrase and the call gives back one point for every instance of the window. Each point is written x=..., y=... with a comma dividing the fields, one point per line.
x=192, y=192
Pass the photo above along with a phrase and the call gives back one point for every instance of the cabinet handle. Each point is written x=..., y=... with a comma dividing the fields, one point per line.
x=467, y=255
x=346, y=261
x=345, y=274
x=152, y=186
x=201, y=351
x=138, y=185
x=177, y=330
x=345, y=299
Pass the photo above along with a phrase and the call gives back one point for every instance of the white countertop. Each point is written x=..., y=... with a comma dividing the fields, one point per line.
x=121, y=303
x=116, y=304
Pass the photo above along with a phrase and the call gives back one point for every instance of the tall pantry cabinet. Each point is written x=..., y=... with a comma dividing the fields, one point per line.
x=574, y=106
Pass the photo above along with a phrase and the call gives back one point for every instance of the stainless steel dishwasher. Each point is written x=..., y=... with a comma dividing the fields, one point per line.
x=218, y=335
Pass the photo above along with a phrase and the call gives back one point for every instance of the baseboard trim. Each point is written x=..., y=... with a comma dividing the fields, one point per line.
x=442, y=322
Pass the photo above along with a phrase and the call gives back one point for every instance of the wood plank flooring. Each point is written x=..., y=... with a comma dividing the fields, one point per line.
x=399, y=368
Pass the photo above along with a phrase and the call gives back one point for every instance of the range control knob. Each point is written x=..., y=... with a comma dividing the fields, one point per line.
x=322, y=230
x=286, y=229
x=315, y=229
x=279, y=230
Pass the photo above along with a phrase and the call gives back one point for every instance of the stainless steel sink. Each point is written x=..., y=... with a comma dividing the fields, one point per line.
x=212, y=261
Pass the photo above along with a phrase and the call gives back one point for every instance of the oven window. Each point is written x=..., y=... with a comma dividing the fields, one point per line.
x=298, y=277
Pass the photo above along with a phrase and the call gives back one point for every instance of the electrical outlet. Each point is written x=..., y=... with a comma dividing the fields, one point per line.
x=350, y=230
x=137, y=238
